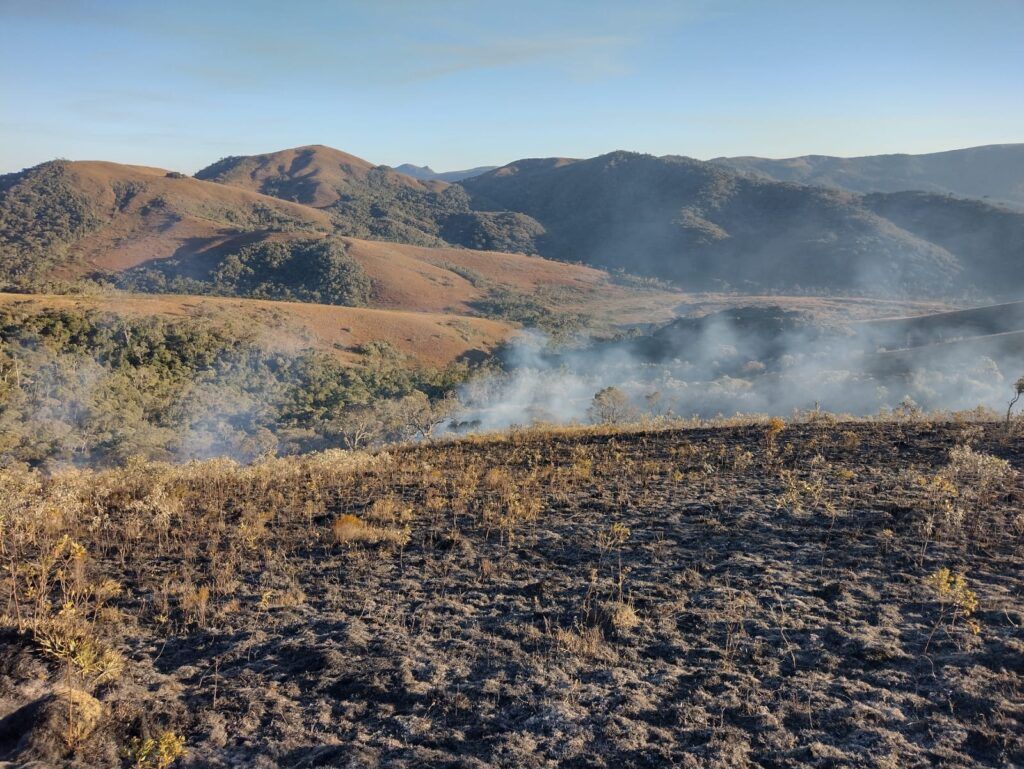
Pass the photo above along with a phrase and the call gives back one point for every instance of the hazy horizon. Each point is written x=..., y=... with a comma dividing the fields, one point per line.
x=454, y=84
x=434, y=167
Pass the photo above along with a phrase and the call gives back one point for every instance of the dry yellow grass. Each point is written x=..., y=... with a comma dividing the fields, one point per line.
x=194, y=217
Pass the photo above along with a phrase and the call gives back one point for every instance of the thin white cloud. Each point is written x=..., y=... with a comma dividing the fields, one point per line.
x=442, y=60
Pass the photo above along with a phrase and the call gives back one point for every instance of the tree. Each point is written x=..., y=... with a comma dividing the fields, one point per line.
x=611, y=405
x=415, y=414
x=1018, y=390
x=359, y=426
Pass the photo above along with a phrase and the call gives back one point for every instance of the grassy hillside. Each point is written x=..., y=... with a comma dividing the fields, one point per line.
x=64, y=219
x=994, y=172
x=151, y=230
x=696, y=223
x=809, y=595
x=89, y=381
x=353, y=272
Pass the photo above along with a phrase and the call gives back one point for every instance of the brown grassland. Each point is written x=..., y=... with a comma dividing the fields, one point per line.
x=821, y=593
x=430, y=339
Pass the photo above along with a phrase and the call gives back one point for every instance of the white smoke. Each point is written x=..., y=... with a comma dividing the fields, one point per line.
x=717, y=368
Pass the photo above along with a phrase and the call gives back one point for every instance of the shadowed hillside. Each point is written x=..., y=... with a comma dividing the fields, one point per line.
x=703, y=225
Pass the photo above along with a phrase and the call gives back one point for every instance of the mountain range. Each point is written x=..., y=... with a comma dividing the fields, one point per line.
x=720, y=224
x=702, y=224
x=994, y=172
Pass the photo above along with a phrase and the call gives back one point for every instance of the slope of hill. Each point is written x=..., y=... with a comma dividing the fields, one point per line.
x=987, y=240
x=685, y=220
x=428, y=173
x=554, y=296
x=932, y=328
x=315, y=175
x=371, y=201
x=704, y=225
x=956, y=339
x=426, y=338
x=994, y=171
x=63, y=218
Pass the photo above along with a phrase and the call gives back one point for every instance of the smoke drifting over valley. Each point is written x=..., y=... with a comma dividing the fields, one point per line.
x=756, y=361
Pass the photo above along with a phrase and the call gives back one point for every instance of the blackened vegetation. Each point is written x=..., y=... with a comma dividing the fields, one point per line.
x=754, y=596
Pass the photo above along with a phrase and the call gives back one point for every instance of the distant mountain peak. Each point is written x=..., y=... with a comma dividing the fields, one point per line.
x=416, y=172
x=426, y=173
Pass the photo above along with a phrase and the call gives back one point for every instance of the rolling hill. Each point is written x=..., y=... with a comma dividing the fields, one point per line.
x=706, y=226
x=70, y=219
x=993, y=172
x=371, y=201
x=61, y=218
x=699, y=224
x=154, y=231
x=315, y=176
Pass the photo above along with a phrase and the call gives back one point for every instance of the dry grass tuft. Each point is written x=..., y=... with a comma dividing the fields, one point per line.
x=350, y=530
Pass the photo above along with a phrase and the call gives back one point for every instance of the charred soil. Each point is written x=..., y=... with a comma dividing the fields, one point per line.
x=828, y=594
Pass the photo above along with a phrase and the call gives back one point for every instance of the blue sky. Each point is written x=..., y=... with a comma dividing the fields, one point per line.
x=459, y=83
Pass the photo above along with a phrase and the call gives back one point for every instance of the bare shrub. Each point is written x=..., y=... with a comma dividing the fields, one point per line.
x=956, y=601
x=958, y=499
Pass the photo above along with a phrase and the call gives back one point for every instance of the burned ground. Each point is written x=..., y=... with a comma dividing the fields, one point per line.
x=762, y=595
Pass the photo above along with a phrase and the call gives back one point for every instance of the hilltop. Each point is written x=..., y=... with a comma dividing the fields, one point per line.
x=315, y=175
x=63, y=218
x=426, y=172
x=367, y=200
